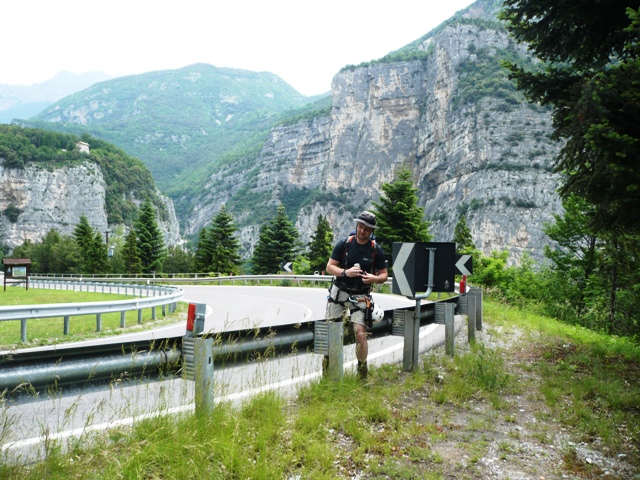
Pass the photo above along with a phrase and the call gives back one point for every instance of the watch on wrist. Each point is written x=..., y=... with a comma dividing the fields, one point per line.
x=344, y=272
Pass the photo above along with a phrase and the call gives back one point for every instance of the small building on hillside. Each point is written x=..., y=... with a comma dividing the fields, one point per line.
x=82, y=147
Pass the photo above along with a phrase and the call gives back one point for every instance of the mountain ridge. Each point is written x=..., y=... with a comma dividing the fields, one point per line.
x=444, y=109
x=211, y=110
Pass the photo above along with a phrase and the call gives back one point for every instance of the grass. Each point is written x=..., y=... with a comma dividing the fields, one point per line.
x=441, y=421
x=50, y=331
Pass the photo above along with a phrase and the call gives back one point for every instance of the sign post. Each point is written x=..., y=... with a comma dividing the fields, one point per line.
x=16, y=268
x=421, y=267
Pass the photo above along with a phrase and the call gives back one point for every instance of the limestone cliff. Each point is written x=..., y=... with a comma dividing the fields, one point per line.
x=474, y=149
x=56, y=198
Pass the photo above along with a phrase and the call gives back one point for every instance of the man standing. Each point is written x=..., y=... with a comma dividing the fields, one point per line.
x=357, y=263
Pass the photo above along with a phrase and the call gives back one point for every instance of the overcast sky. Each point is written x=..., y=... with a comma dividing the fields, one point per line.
x=304, y=42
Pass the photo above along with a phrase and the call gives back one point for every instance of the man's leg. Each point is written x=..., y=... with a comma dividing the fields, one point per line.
x=362, y=347
x=362, y=350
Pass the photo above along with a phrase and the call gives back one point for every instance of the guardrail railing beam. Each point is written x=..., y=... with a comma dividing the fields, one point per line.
x=156, y=296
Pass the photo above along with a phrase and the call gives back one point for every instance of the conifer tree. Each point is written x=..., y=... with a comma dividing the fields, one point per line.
x=84, y=235
x=399, y=217
x=462, y=236
x=83, y=232
x=262, y=259
x=150, y=241
x=225, y=257
x=202, y=257
x=130, y=253
x=97, y=261
x=320, y=246
x=278, y=243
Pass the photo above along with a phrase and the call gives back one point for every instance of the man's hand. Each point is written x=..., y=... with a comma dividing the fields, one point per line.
x=354, y=272
x=368, y=279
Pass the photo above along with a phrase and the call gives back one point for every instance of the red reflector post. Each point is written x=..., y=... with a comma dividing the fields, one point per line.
x=191, y=317
x=463, y=284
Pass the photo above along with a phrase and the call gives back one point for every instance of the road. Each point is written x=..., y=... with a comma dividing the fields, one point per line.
x=237, y=307
x=28, y=427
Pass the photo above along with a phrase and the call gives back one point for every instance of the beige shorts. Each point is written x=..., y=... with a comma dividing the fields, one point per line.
x=350, y=312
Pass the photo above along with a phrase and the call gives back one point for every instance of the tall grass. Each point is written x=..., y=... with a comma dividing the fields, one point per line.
x=391, y=426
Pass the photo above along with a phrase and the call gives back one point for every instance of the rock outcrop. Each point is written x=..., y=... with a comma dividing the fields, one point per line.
x=56, y=198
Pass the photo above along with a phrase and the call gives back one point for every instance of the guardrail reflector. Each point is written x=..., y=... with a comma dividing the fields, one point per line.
x=438, y=317
x=321, y=338
x=188, y=358
x=191, y=317
x=397, y=328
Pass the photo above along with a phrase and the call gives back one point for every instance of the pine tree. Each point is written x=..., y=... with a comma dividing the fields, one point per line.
x=130, y=253
x=462, y=236
x=83, y=234
x=202, y=257
x=262, y=259
x=225, y=257
x=97, y=261
x=320, y=246
x=278, y=243
x=150, y=241
x=399, y=217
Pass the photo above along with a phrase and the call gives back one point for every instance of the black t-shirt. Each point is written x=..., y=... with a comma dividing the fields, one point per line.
x=348, y=254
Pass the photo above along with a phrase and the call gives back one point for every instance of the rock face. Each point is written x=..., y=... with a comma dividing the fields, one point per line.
x=56, y=199
x=483, y=154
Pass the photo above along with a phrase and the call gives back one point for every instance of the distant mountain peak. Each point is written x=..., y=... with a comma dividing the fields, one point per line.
x=20, y=101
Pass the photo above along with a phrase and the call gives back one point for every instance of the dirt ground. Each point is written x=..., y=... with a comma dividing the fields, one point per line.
x=519, y=440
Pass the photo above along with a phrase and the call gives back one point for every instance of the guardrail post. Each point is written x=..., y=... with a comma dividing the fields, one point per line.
x=328, y=341
x=139, y=315
x=471, y=317
x=449, y=327
x=477, y=292
x=123, y=321
x=335, y=359
x=153, y=313
x=98, y=322
x=23, y=330
x=203, y=366
x=411, y=350
x=66, y=324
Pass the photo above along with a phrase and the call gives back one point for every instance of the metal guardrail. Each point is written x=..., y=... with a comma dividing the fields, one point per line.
x=158, y=276
x=156, y=296
x=191, y=278
x=79, y=364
